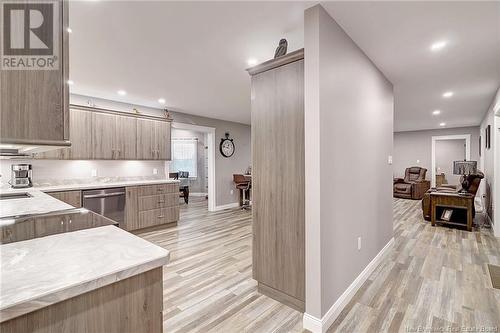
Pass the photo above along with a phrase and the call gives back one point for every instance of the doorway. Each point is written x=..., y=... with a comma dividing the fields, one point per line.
x=448, y=151
x=202, y=177
x=445, y=150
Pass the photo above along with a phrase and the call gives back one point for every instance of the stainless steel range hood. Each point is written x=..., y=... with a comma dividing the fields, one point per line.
x=26, y=148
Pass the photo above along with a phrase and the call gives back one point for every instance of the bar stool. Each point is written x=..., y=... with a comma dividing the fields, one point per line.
x=242, y=184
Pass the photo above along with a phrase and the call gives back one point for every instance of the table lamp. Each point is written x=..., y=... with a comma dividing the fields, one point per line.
x=464, y=168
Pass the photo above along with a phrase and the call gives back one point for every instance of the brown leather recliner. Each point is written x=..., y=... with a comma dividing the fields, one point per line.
x=474, y=181
x=413, y=186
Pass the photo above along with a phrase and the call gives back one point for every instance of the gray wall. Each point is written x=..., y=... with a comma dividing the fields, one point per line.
x=196, y=184
x=414, y=148
x=349, y=133
x=448, y=151
x=224, y=167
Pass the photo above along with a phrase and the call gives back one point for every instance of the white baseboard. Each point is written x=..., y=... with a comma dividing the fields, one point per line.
x=197, y=194
x=227, y=206
x=317, y=325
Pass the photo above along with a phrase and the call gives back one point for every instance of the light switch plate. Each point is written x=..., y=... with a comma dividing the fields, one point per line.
x=155, y=171
x=94, y=172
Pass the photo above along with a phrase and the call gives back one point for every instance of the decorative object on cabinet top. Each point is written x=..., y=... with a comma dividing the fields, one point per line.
x=281, y=49
x=167, y=114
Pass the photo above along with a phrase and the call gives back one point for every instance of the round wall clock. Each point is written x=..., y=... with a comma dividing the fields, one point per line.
x=226, y=146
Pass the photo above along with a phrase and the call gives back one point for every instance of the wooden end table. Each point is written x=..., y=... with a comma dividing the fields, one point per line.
x=462, y=206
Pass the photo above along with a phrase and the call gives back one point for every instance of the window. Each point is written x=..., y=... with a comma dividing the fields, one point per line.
x=184, y=156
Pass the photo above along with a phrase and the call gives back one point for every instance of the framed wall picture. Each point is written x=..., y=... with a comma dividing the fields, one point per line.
x=488, y=137
x=480, y=146
x=446, y=215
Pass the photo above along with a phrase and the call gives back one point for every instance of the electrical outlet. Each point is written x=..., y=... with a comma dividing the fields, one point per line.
x=232, y=191
x=418, y=161
x=155, y=171
x=389, y=160
x=94, y=172
x=359, y=243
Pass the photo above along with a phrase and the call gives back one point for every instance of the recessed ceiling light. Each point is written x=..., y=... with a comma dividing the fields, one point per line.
x=121, y=92
x=442, y=124
x=438, y=45
x=69, y=30
x=161, y=100
x=70, y=82
x=448, y=94
x=252, y=62
x=436, y=112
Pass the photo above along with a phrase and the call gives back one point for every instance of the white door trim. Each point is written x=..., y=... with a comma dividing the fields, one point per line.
x=210, y=131
x=466, y=137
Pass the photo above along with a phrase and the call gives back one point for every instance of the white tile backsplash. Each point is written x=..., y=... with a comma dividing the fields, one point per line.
x=64, y=169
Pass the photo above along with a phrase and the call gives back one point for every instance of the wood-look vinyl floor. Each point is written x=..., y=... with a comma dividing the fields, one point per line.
x=208, y=285
x=435, y=277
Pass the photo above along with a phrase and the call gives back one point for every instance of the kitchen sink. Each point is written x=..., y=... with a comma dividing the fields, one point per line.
x=17, y=195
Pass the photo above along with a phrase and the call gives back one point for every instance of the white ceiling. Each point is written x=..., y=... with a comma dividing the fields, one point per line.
x=194, y=54
x=397, y=37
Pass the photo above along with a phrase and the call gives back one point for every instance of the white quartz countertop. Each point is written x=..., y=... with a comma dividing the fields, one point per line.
x=43, y=271
x=38, y=203
x=100, y=184
x=41, y=203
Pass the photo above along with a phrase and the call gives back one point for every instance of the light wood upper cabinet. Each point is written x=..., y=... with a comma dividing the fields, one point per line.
x=81, y=130
x=112, y=136
x=126, y=138
x=153, y=140
x=146, y=138
x=163, y=140
x=103, y=136
x=34, y=103
x=81, y=149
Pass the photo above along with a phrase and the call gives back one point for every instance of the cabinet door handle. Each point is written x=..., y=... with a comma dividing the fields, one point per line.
x=161, y=202
x=161, y=216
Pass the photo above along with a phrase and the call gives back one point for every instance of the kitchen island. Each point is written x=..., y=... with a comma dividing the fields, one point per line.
x=101, y=279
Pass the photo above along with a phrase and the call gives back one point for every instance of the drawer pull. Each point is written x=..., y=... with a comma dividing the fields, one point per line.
x=161, y=201
x=161, y=216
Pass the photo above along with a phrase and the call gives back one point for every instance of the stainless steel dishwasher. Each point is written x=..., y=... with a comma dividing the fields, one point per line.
x=109, y=202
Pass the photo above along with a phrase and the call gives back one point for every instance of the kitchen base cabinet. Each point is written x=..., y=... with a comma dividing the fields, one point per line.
x=151, y=205
x=73, y=198
x=17, y=232
x=131, y=305
x=58, y=223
